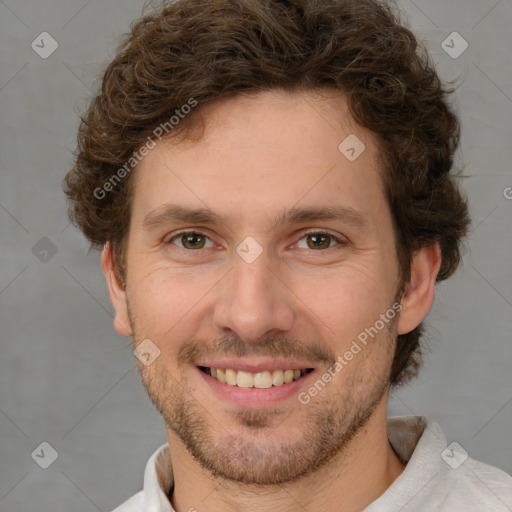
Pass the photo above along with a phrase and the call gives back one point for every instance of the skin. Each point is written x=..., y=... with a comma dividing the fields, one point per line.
x=260, y=155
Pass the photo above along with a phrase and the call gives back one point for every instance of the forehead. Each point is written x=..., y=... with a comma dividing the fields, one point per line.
x=261, y=153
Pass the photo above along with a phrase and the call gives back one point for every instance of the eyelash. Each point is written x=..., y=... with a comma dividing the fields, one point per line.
x=304, y=234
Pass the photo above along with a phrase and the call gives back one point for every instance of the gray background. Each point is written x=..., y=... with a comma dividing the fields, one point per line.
x=67, y=378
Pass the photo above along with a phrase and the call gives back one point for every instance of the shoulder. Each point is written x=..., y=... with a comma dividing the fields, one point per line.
x=438, y=476
x=476, y=485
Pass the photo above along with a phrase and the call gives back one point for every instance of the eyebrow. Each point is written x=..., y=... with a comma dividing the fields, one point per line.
x=173, y=213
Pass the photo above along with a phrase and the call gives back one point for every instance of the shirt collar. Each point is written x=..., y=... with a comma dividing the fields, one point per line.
x=158, y=481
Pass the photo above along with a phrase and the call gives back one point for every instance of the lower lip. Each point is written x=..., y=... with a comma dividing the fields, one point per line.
x=255, y=397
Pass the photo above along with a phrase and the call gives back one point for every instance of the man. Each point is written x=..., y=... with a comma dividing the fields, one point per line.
x=272, y=186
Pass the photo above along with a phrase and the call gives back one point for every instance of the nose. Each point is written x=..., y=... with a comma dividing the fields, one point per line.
x=253, y=300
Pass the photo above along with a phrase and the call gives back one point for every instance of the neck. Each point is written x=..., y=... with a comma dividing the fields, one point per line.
x=350, y=482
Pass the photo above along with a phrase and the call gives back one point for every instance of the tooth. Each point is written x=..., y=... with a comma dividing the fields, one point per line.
x=288, y=375
x=221, y=376
x=263, y=380
x=244, y=379
x=231, y=377
x=277, y=377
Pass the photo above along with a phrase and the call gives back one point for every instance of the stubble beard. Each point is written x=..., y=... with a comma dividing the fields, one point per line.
x=250, y=455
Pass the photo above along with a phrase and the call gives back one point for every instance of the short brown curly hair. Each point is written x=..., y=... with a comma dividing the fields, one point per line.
x=213, y=49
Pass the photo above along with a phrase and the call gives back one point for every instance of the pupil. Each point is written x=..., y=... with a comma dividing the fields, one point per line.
x=192, y=240
x=317, y=240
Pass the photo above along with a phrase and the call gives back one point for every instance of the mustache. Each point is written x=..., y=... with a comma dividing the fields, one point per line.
x=274, y=345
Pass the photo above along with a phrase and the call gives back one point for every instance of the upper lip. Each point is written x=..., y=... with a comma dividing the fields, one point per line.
x=254, y=364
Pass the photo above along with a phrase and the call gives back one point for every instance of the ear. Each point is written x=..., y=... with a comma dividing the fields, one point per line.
x=117, y=293
x=419, y=291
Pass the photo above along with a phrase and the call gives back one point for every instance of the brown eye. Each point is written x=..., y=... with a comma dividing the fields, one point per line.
x=193, y=241
x=319, y=241
x=190, y=240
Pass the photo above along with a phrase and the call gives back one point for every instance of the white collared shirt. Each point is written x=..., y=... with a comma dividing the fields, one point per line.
x=436, y=477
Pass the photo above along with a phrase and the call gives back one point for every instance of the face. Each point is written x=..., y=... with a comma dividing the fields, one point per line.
x=291, y=259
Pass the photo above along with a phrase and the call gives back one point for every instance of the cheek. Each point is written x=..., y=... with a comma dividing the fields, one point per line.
x=165, y=303
x=345, y=303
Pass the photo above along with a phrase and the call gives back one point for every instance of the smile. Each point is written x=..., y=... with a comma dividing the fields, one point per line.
x=261, y=380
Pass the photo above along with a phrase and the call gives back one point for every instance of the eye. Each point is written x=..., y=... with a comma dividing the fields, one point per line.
x=194, y=240
x=318, y=240
x=190, y=240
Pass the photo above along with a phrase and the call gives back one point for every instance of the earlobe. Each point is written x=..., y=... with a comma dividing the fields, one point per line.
x=419, y=291
x=117, y=293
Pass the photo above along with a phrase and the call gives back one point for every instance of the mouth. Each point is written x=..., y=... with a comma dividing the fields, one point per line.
x=260, y=380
